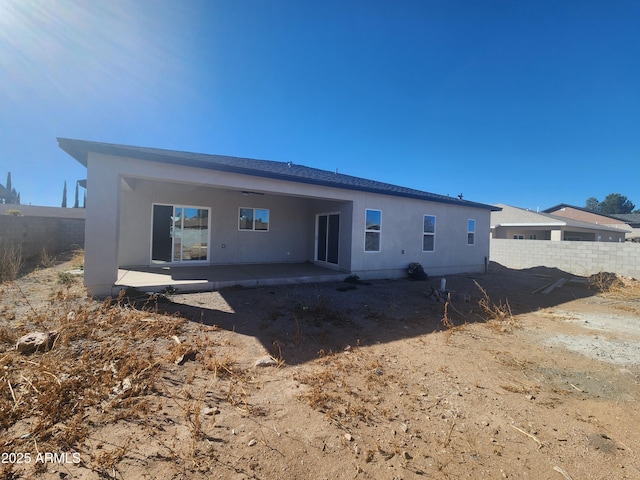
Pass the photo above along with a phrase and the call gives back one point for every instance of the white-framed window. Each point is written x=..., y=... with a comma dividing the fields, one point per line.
x=256, y=219
x=533, y=236
x=471, y=232
x=372, y=230
x=428, y=233
x=518, y=237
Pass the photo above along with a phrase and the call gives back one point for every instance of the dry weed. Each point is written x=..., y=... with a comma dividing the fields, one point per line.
x=613, y=286
x=11, y=261
x=332, y=391
x=497, y=316
x=102, y=363
x=221, y=367
x=115, y=361
x=47, y=259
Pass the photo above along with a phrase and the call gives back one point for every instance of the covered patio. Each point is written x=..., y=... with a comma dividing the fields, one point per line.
x=205, y=278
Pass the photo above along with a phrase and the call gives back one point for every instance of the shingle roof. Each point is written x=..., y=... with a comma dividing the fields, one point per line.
x=630, y=218
x=566, y=205
x=515, y=216
x=79, y=149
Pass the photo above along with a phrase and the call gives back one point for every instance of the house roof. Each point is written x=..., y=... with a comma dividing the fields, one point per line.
x=632, y=219
x=79, y=149
x=4, y=193
x=565, y=205
x=520, y=217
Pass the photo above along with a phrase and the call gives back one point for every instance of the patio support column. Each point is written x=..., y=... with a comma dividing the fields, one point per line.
x=101, y=225
x=556, y=235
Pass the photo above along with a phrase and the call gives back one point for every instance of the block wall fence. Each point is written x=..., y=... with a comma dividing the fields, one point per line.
x=578, y=258
x=33, y=234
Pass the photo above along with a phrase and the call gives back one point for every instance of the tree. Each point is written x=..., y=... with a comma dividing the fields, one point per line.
x=614, y=203
x=14, y=197
x=64, y=195
x=592, y=204
x=76, y=203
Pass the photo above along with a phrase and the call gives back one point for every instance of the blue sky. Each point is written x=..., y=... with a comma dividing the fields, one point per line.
x=528, y=103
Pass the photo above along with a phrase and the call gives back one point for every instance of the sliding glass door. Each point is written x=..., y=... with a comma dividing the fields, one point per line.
x=179, y=234
x=328, y=235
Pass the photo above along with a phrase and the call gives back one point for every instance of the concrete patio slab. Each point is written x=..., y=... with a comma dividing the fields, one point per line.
x=212, y=277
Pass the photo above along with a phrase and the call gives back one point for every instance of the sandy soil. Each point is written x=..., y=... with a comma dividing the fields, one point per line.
x=370, y=381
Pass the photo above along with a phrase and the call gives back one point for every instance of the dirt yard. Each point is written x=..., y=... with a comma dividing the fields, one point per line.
x=324, y=381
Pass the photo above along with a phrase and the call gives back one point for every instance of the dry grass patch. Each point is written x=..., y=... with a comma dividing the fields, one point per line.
x=105, y=366
x=348, y=387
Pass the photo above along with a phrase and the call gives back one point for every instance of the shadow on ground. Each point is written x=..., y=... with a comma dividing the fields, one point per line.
x=297, y=323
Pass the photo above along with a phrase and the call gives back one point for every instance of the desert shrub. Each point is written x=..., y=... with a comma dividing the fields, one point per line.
x=66, y=278
x=14, y=212
x=46, y=258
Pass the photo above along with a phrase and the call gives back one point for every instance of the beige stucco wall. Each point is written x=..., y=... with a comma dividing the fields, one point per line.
x=121, y=192
x=287, y=240
x=102, y=225
x=509, y=232
x=402, y=233
x=560, y=234
x=591, y=217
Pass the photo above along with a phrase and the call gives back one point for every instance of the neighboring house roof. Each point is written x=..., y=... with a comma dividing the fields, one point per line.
x=520, y=217
x=633, y=219
x=79, y=149
x=566, y=205
x=4, y=193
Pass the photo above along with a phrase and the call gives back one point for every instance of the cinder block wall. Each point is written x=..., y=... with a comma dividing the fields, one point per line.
x=578, y=258
x=32, y=234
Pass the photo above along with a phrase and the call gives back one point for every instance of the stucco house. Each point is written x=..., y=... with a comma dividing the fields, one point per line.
x=160, y=208
x=584, y=215
x=633, y=221
x=522, y=224
x=5, y=195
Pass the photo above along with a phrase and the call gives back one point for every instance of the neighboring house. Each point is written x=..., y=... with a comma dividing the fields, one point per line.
x=5, y=195
x=633, y=221
x=584, y=215
x=152, y=207
x=521, y=224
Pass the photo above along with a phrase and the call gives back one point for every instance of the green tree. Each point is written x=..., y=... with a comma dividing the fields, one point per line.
x=614, y=203
x=8, y=186
x=64, y=195
x=592, y=204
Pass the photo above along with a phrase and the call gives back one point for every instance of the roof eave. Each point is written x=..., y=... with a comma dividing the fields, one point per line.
x=80, y=149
